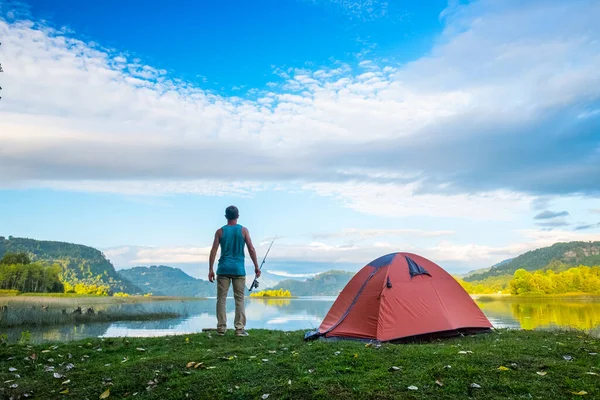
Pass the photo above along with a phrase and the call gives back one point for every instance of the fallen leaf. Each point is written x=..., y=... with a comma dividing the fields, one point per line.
x=45, y=351
x=66, y=382
x=447, y=366
x=568, y=358
x=57, y=375
x=199, y=365
x=514, y=365
x=356, y=355
x=65, y=391
x=593, y=354
x=70, y=366
x=265, y=396
x=107, y=365
x=105, y=394
x=337, y=353
x=272, y=351
x=439, y=383
x=290, y=382
x=465, y=352
x=265, y=360
x=394, y=369
x=310, y=371
x=475, y=386
x=125, y=359
x=190, y=364
x=12, y=369
x=580, y=393
x=211, y=367
x=140, y=349
x=12, y=380
x=503, y=368
x=591, y=373
x=14, y=386
x=413, y=388
x=541, y=373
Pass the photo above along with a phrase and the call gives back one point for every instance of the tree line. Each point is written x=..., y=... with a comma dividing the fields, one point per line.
x=555, y=278
x=580, y=279
x=17, y=272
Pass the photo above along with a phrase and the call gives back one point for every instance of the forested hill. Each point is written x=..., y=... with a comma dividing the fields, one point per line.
x=168, y=281
x=80, y=264
x=559, y=257
x=328, y=283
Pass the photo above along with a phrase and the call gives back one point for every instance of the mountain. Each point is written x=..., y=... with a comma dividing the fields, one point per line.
x=328, y=283
x=168, y=281
x=80, y=264
x=560, y=255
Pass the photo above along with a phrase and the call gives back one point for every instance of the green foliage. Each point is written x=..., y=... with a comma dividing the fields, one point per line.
x=490, y=285
x=25, y=337
x=310, y=370
x=272, y=293
x=15, y=258
x=581, y=279
x=36, y=277
x=562, y=255
x=79, y=264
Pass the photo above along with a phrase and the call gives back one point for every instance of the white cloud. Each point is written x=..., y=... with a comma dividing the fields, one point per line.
x=394, y=200
x=290, y=275
x=473, y=116
x=370, y=233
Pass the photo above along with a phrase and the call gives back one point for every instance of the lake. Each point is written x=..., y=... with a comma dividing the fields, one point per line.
x=307, y=313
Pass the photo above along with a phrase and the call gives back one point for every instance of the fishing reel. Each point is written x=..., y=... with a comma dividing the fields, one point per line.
x=254, y=285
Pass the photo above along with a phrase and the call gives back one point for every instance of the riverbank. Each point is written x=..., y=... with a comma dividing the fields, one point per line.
x=506, y=364
x=31, y=311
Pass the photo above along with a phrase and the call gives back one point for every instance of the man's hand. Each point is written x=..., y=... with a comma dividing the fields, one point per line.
x=211, y=275
x=257, y=272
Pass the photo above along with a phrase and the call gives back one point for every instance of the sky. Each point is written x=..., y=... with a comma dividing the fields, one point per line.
x=464, y=131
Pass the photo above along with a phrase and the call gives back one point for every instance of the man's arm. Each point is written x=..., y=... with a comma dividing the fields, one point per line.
x=213, y=255
x=251, y=250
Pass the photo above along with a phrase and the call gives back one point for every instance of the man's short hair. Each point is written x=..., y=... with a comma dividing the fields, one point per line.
x=231, y=213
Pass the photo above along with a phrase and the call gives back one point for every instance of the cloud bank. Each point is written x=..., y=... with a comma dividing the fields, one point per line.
x=489, y=111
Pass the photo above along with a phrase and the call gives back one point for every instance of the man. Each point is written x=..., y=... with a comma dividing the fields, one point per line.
x=231, y=238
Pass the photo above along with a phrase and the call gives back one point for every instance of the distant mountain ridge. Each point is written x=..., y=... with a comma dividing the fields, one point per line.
x=328, y=283
x=566, y=254
x=80, y=264
x=161, y=280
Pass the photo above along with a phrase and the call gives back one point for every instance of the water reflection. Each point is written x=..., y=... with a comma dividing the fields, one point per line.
x=307, y=313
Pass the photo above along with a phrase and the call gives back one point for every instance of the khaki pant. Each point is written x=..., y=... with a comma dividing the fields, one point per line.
x=239, y=286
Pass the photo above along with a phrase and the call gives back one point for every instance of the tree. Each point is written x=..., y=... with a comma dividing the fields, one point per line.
x=15, y=258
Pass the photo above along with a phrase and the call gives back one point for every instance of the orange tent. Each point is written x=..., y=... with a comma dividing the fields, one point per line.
x=399, y=296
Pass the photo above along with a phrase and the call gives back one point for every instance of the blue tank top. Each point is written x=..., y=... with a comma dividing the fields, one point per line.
x=231, y=261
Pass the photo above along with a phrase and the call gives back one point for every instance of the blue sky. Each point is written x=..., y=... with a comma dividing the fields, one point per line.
x=467, y=132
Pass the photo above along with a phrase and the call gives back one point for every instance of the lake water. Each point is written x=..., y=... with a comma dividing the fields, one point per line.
x=307, y=313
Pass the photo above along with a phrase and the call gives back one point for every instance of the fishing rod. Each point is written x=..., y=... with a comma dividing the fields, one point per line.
x=254, y=284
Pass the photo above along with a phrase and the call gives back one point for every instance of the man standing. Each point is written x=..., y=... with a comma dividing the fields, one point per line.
x=232, y=238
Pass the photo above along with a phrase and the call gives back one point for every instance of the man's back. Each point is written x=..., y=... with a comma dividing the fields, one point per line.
x=232, y=244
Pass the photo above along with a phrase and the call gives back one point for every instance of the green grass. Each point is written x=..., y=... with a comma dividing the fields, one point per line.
x=314, y=368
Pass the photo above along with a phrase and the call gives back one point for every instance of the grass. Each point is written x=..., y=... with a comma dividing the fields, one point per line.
x=157, y=368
